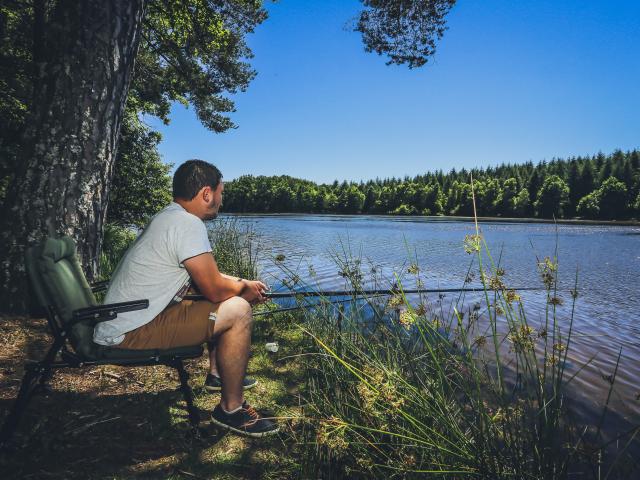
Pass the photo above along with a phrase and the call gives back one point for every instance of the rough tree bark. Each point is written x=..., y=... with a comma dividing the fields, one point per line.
x=61, y=187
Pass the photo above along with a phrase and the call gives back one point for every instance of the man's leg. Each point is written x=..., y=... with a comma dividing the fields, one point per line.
x=232, y=335
x=213, y=365
x=213, y=383
x=228, y=324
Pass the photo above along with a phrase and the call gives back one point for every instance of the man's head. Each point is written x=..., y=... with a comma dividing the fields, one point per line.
x=198, y=186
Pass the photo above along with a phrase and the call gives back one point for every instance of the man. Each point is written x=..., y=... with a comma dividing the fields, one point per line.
x=172, y=252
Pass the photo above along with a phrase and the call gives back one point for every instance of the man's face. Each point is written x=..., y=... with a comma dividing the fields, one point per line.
x=213, y=201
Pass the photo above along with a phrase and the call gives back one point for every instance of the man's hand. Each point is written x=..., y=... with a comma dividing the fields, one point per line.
x=217, y=287
x=253, y=291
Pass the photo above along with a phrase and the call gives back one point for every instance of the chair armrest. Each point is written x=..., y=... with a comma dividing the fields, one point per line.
x=101, y=313
x=100, y=286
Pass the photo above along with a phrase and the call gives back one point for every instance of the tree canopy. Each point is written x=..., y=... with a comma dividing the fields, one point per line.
x=555, y=189
x=406, y=31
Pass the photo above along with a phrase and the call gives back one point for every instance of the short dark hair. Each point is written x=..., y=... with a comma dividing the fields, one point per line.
x=192, y=176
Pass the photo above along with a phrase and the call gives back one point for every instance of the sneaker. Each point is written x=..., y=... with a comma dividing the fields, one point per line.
x=245, y=421
x=214, y=384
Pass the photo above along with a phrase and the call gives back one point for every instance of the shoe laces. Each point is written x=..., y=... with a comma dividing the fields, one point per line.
x=252, y=412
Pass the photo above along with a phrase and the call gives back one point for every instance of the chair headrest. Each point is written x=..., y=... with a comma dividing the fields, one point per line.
x=58, y=248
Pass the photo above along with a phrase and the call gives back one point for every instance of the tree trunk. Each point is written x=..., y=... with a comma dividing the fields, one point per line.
x=62, y=184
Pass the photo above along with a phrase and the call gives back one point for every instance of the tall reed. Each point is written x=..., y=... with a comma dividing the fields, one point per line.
x=234, y=247
x=405, y=388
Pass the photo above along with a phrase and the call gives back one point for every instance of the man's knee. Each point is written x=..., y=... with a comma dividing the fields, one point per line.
x=240, y=310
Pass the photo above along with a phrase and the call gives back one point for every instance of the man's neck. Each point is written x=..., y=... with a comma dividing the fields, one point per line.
x=190, y=206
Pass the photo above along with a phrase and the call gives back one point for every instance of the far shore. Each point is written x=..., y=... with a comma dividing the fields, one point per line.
x=446, y=218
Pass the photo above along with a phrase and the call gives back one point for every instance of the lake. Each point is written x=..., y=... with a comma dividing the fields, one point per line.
x=606, y=259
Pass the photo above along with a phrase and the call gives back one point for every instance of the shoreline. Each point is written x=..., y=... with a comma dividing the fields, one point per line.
x=448, y=218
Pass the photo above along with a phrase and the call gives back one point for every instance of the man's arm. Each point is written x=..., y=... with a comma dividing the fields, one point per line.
x=235, y=279
x=217, y=287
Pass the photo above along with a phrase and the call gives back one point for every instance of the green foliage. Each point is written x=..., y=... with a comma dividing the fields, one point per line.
x=404, y=30
x=193, y=52
x=114, y=245
x=552, y=197
x=522, y=203
x=575, y=188
x=488, y=195
x=613, y=198
x=507, y=201
x=141, y=184
x=351, y=200
x=404, y=210
x=589, y=205
x=505, y=191
x=16, y=41
x=607, y=202
x=234, y=248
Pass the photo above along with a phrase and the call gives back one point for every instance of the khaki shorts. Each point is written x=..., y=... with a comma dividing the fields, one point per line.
x=184, y=324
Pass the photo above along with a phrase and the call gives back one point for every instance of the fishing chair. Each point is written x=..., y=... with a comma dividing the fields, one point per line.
x=72, y=311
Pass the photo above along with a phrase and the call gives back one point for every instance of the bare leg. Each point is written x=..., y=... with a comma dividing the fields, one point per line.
x=232, y=335
x=213, y=365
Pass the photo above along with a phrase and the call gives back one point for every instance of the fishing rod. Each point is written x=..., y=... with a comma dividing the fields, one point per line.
x=392, y=291
x=359, y=293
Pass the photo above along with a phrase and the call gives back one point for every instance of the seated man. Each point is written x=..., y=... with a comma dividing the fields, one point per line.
x=170, y=253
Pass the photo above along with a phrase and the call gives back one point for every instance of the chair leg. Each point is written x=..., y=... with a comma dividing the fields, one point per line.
x=194, y=415
x=46, y=371
x=35, y=377
x=20, y=404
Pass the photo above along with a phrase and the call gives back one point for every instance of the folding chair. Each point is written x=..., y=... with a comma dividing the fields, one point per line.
x=72, y=311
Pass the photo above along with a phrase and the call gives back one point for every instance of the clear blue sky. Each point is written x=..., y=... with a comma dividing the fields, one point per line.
x=511, y=81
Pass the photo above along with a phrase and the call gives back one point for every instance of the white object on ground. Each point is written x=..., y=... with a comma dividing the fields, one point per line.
x=271, y=347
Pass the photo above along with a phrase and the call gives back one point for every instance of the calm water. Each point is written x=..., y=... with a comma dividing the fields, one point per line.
x=606, y=259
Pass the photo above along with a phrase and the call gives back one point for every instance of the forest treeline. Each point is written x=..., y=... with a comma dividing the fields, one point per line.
x=596, y=187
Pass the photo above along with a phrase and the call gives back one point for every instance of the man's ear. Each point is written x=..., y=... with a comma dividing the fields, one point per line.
x=206, y=193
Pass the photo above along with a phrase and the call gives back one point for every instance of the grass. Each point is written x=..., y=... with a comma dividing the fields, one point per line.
x=397, y=387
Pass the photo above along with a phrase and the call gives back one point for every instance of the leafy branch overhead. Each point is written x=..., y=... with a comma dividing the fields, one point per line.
x=404, y=30
x=194, y=52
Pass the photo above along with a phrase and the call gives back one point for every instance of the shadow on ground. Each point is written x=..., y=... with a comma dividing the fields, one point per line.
x=115, y=422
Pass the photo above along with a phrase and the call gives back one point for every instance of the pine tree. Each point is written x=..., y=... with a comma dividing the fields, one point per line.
x=627, y=174
x=535, y=181
x=575, y=192
x=587, y=179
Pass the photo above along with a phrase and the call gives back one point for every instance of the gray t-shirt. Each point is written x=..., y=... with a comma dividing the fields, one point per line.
x=152, y=268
